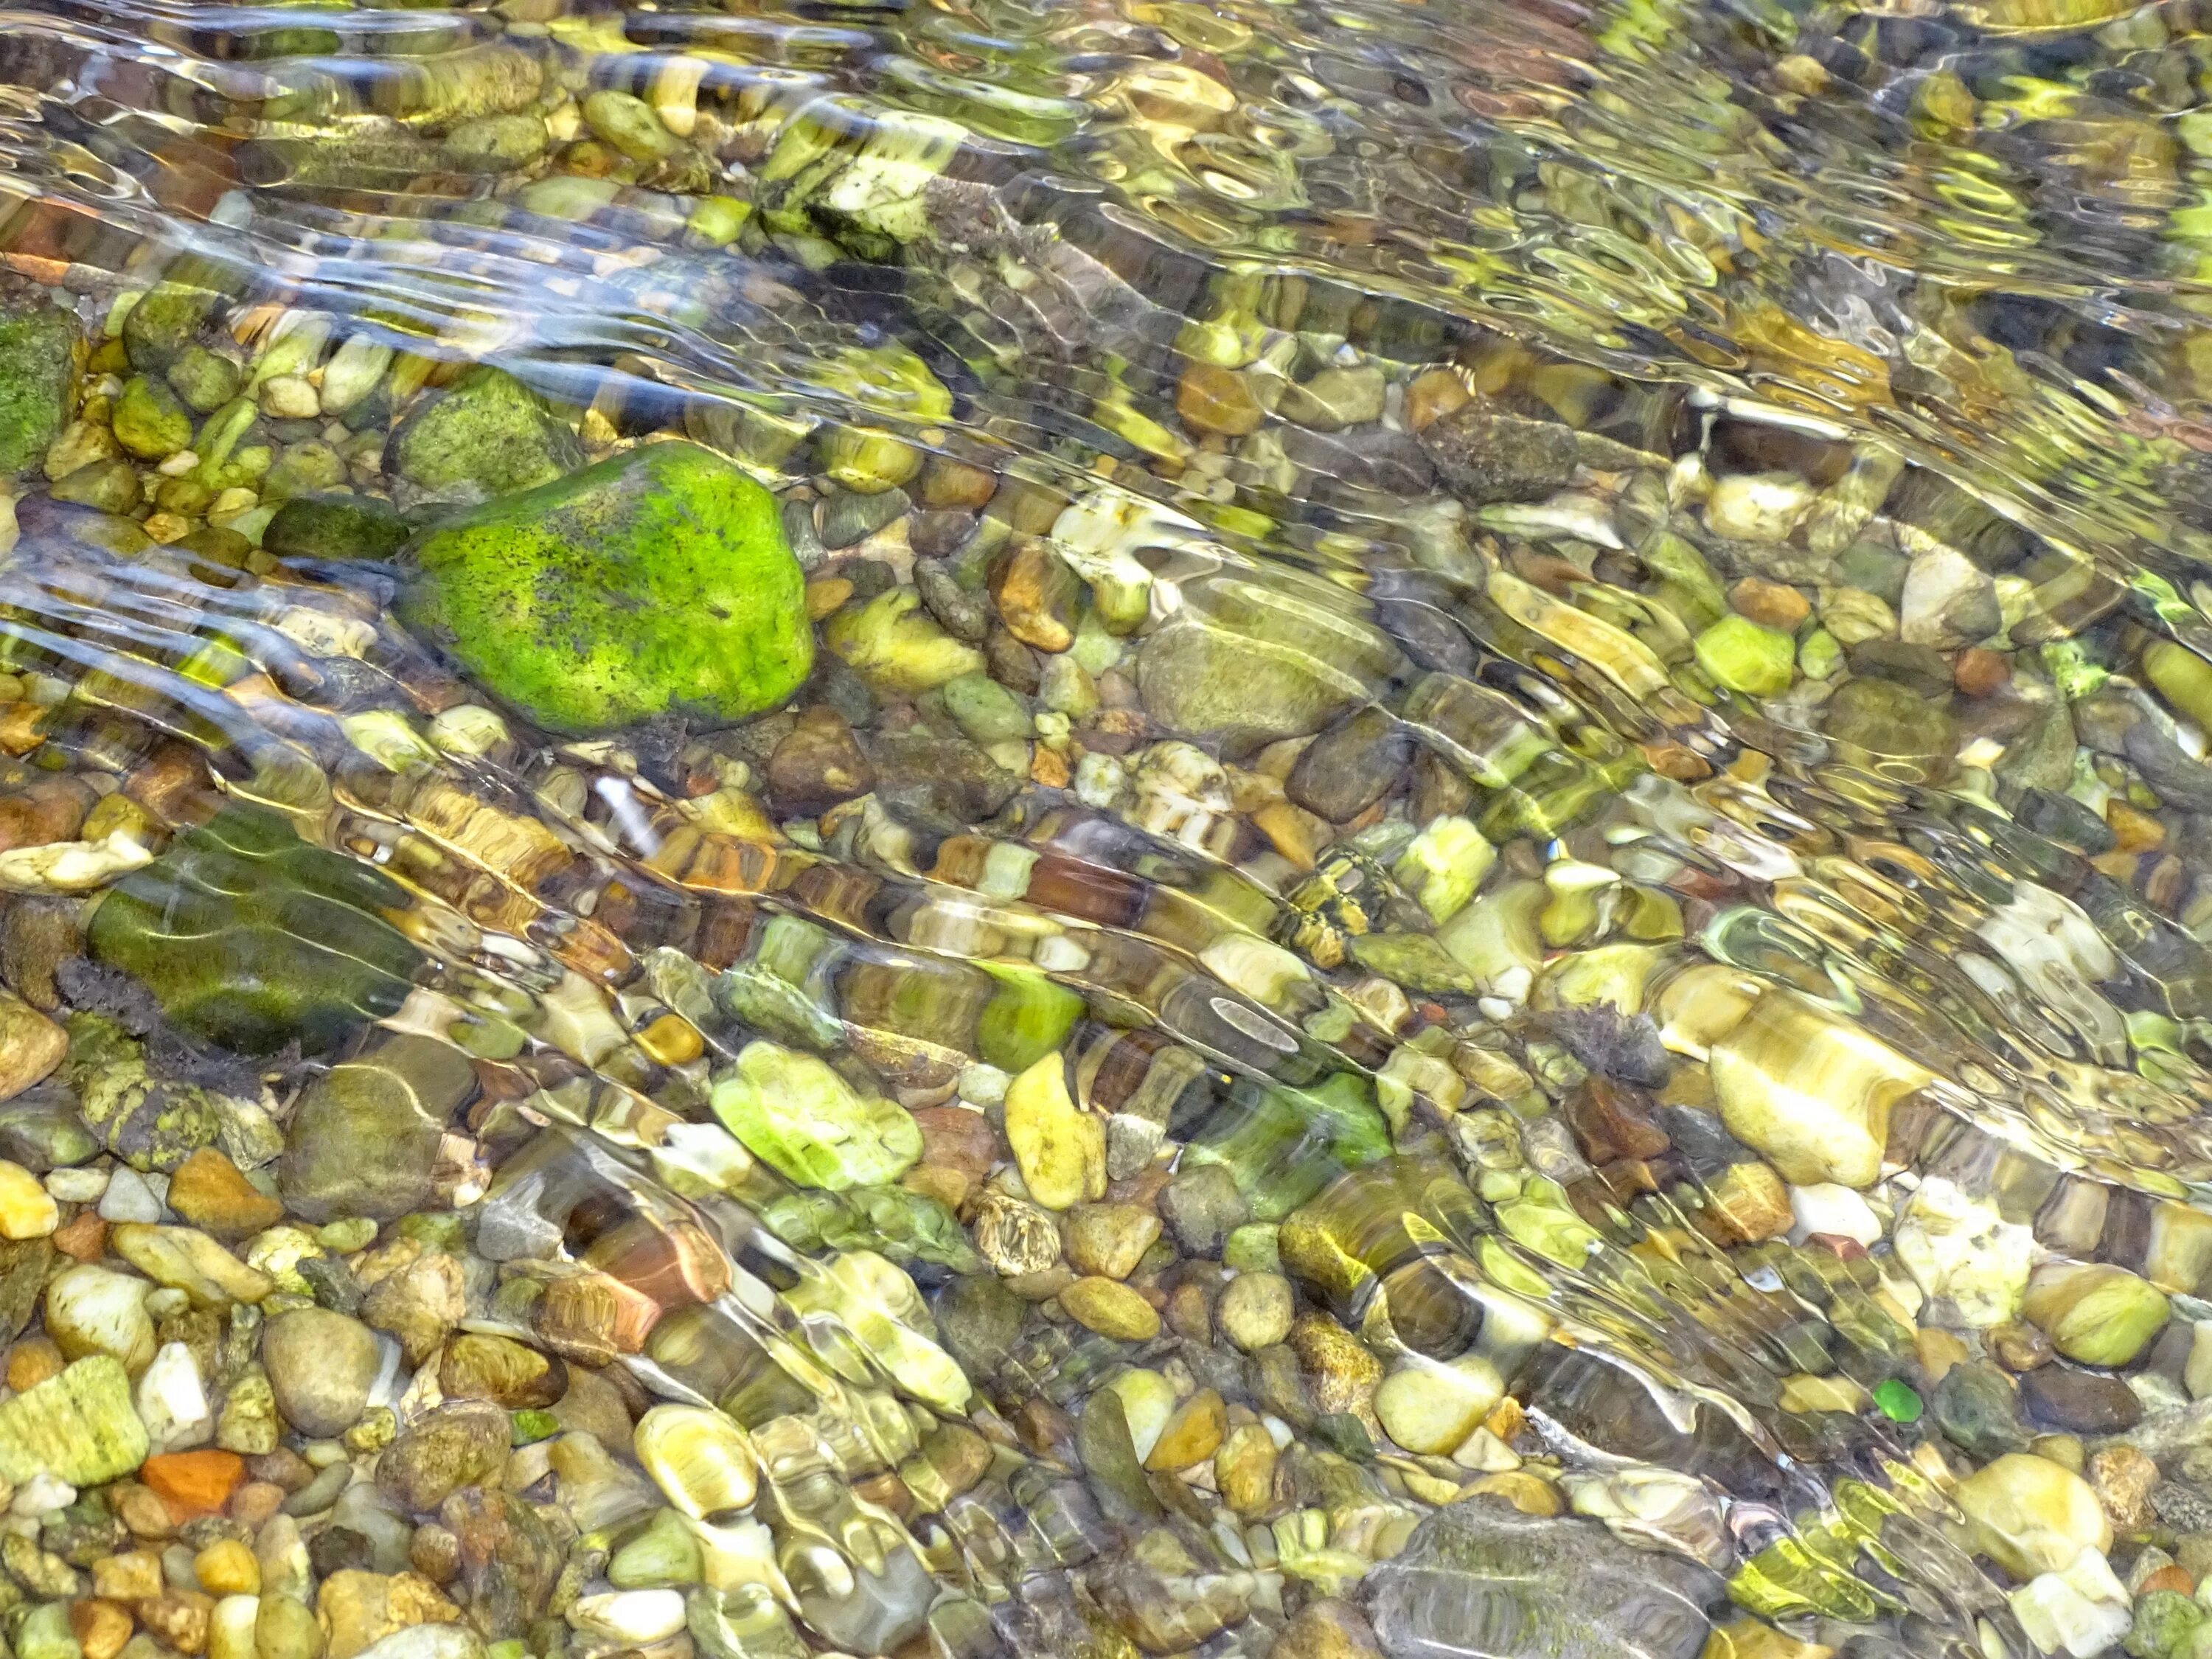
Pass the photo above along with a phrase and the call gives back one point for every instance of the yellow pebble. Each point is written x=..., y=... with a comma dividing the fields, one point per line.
x=227, y=1567
x=672, y=1040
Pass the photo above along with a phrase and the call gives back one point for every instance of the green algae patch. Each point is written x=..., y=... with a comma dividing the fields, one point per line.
x=655, y=583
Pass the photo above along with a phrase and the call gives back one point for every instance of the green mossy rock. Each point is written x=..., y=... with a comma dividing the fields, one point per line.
x=251, y=938
x=79, y=1427
x=335, y=526
x=151, y=420
x=164, y=322
x=657, y=582
x=487, y=435
x=40, y=347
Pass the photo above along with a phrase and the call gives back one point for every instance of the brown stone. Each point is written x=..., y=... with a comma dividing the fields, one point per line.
x=1771, y=604
x=100, y=1627
x=477, y=1366
x=818, y=763
x=1432, y=395
x=1036, y=593
x=1979, y=671
x=208, y=1191
x=1328, y=1629
x=1218, y=402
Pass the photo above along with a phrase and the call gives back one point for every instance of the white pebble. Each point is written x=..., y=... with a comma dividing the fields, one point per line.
x=128, y=1198
x=1828, y=1208
x=78, y=1186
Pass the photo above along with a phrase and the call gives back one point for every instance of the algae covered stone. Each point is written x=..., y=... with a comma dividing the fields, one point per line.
x=802, y=1119
x=489, y=435
x=38, y=372
x=655, y=583
x=79, y=1427
x=251, y=938
x=335, y=526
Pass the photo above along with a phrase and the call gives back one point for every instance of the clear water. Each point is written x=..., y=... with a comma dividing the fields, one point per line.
x=1798, y=308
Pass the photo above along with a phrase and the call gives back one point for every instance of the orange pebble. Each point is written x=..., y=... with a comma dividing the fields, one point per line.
x=100, y=1627
x=83, y=1237
x=2174, y=1578
x=32, y=1361
x=194, y=1483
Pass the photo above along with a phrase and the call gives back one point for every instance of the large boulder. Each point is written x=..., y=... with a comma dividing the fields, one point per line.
x=657, y=582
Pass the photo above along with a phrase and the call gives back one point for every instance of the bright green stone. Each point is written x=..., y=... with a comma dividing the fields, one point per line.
x=1739, y=654
x=1897, y=1401
x=657, y=582
x=811, y=1126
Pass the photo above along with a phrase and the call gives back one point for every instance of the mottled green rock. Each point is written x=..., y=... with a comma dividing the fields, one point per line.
x=1885, y=718
x=251, y=938
x=78, y=1426
x=363, y=1140
x=2162, y=1624
x=493, y=144
x=38, y=348
x=655, y=583
x=488, y=435
x=151, y=420
x=149, y=1122
x=304, y=469
x=906, y=1226
x=796, y=1115
x=166, y=320
x=335, y=526
x=204, y=379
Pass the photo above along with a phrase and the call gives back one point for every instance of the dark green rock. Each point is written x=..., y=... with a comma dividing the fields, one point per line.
x=1976, y=1409
x=41, y=1129
x=364, y=1139
x=39, y=348
x=251, y=938
x=1353, y=765
x=655, y=583
x=980, y=1319
x=938, y=784
x=335, y=526
x=24, y=1264
x=489, y=435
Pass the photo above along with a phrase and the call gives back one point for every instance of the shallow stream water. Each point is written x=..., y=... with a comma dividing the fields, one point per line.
x=1346, y=831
